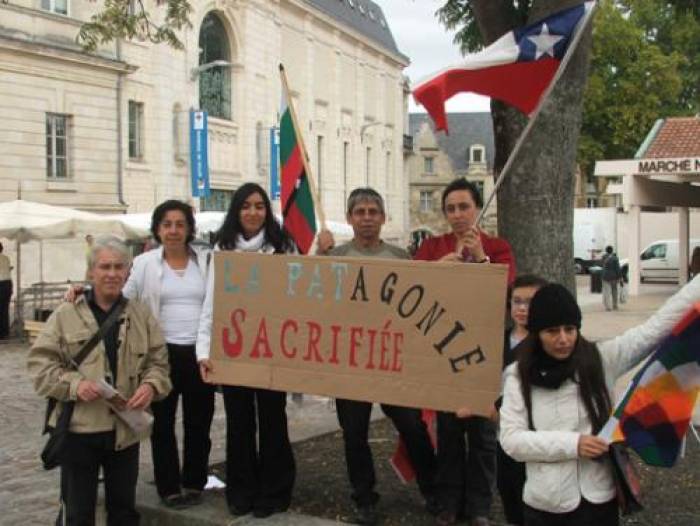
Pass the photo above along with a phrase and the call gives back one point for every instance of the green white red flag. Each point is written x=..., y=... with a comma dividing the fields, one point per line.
x=299, y=217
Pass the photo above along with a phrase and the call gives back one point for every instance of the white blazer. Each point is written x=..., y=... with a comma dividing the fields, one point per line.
x=146, y=276
x=557, y=477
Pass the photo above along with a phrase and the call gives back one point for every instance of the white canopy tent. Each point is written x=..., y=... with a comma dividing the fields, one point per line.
x=23, y=221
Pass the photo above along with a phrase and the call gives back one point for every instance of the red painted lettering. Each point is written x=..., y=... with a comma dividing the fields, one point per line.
x=233, y=348
x=286, y=325
x=314, y=338
x=335, y=329
x=397, y=365
x=355, y=343
x=372, y=337
x=261, y=340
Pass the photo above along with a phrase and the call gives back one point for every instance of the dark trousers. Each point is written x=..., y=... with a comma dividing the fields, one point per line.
x=86, y=453
x=5, y=295
x=257, y=477
x=510, y=479
x=587, y=514
x=354, y=419
x=466, y=480
x=197, y=414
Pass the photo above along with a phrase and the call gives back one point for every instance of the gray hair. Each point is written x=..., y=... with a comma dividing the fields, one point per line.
x=112, y=243
x=364, y=194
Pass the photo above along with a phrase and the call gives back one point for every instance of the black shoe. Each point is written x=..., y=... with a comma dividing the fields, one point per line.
x=192, y=497
x=366, y=515
x=176, y=501
x=262, y=512
x=238, y=511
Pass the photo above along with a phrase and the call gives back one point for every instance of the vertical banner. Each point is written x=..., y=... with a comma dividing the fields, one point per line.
x=199, y=156
x=275, y=190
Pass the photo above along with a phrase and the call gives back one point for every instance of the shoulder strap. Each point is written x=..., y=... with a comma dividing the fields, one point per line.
x=104, y=328
x=86, y=349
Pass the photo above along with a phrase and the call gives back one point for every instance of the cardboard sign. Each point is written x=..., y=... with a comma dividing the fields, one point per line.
x=409, y=333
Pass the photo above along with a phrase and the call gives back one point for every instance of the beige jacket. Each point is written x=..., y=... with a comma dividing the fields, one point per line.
x=142, y=358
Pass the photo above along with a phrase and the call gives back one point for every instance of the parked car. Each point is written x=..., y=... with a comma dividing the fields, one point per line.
x=659, y=260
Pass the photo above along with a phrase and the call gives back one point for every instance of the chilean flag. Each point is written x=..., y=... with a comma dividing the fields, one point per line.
x=516, y=69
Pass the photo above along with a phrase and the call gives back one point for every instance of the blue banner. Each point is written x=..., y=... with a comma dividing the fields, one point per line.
x=199, y=155
x=275, y=189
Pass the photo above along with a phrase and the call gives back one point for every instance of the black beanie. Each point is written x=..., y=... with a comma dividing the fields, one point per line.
x=551, y=306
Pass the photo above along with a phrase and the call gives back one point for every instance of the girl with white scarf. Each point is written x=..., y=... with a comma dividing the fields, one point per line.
x=258, y=479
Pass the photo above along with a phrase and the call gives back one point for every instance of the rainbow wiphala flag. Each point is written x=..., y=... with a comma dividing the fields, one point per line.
x=653, y=415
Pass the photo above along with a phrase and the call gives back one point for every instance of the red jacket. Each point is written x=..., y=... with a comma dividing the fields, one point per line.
x=497, y=249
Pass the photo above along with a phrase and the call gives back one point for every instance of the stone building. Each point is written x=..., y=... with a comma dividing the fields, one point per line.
x=438, y=158
x=109, y=131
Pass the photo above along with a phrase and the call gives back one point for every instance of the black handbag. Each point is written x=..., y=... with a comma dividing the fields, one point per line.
x=55, y=447
x=627, y=484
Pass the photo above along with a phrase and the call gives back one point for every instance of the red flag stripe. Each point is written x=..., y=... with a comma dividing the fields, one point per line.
x=295, y=222
x=291, y=171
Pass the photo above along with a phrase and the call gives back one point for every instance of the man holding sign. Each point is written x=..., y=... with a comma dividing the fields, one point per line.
x=461, y=202
x=365, y=213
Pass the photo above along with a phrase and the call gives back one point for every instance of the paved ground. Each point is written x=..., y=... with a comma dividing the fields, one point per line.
x=28, y=495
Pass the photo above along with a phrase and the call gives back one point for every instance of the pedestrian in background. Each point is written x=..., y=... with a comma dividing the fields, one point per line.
x=611, y=276
x=5, y=294
x=694, y=269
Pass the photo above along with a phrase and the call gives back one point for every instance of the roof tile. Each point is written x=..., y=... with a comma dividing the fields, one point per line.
x=678, y=137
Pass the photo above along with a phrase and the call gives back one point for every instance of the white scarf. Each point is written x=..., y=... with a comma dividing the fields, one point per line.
x=254, y=244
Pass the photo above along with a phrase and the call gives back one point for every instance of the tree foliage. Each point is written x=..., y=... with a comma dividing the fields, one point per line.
x=632, y=83
x=645, y=65
x=129, y=19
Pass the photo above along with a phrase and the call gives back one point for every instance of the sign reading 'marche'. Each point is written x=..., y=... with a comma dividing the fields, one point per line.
x=407, y=333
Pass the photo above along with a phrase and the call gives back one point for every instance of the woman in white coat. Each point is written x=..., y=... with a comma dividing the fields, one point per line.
x=171, y=279
x=557, y=398
x=258, y=478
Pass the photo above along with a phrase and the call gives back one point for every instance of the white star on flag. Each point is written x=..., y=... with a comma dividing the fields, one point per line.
x=545, y=42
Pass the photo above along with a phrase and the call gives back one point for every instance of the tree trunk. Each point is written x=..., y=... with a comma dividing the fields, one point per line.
x=535, y=202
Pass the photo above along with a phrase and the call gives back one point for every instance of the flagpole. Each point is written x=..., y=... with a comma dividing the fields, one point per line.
x=304, y=155
x=518, y=145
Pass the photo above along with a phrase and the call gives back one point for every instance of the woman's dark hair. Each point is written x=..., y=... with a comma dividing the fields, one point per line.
x=275, y=234
x=588, y=373
x=462, y=184
x=167, y=206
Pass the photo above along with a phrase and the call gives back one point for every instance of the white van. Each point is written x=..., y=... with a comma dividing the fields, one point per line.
x=659, y=260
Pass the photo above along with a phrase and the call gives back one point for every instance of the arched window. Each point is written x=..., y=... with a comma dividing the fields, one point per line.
x=214, y=82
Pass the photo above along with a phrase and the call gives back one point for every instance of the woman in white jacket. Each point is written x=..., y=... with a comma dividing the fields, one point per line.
x=557, y=398
x=258, y=479
x=171, y=279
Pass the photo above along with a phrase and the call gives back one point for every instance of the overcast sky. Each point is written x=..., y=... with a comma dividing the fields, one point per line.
x=425, y=41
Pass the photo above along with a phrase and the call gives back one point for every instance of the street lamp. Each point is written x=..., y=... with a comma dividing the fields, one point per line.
x=194, y=73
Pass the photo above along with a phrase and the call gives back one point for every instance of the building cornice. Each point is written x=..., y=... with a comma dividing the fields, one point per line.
x=63, y=53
